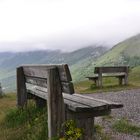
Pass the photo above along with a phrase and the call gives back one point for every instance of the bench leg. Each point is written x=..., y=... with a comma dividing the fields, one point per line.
x=126, y=80
x=100, y=82
x=120, y=80
x=96, y=82
x=85, y=122
x=21, y=88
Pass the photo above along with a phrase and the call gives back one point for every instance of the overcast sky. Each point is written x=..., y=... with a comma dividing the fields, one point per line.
x=66, y=24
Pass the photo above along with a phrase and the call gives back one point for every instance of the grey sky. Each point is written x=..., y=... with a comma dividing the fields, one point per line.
x=66, y=24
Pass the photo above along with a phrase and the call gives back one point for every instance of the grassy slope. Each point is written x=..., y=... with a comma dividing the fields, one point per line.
x=129, y=47
x=16, y=124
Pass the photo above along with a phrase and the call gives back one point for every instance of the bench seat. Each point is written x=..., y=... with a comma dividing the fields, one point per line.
x=106, y=75
x=79, y=103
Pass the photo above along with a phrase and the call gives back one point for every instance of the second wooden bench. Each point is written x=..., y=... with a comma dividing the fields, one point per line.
x=120, y=72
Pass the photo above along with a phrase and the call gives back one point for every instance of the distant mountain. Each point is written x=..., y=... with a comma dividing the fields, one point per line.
x=9, y=61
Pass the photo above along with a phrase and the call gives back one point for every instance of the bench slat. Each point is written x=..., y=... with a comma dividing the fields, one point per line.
x=112, y=105
x=82, y=100
x=107, y=75
x=74, y=106
x=40, y=71
x=113, y=69
x=36, y=81
x=74, y=102
x=67, y=87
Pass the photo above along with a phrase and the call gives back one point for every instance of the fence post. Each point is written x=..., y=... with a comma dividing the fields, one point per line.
x=56, y=111
x=21, y=88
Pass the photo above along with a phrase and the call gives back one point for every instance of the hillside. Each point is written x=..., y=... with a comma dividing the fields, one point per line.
x=81, y=61
x=9, y=61
x=124, y=53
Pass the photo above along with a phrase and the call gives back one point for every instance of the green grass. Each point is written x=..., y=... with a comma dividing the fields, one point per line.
x=124, y=126
x=21, y=124
x=100, y=133
x=90, y=87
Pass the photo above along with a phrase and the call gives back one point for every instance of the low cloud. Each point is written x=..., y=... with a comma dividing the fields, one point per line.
x=66, y=25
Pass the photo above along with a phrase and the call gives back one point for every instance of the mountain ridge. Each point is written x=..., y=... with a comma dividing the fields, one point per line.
x=9, y=61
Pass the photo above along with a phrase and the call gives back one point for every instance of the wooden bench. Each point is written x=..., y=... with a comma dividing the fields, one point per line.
x=52, y=85
x=120, y=72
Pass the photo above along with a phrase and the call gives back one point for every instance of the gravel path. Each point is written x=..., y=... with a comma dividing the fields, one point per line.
x=130, y=111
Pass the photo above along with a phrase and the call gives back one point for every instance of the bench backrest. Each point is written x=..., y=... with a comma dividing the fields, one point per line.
x=56, y=79
x=38, y=75
x=114, y=69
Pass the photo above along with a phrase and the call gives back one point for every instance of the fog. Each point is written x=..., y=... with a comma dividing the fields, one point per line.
x=66, y=24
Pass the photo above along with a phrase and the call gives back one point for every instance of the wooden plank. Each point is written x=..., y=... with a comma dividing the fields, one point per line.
x=21, y=88
x=126, y=76
x=67, y=87
x=41, y=92
x=107, y=75
x=85, y=101
x=36, y=81
x=38, y=93
x=112, y=105
x=76, y=107
x=40, y=71
x=111, y=69
x=83, y=121
x=55, y=103
x=74, y=103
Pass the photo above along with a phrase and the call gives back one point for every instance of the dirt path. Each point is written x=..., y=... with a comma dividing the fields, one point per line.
x=130, y=111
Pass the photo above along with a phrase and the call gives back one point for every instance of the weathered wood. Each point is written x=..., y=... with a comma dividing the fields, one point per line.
x=38, y=76
x=85, y=101
x=42, y=82
x=112, y=105
x=120, y=80
x=85, y=123
x=46, y=83
x=126, y=76
x=40, y=71
x=55, y=103
x=67, y=87
x=21, y=88
x=111, y=69
x=42, y=94
x=80, y=103
x=120, y=72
